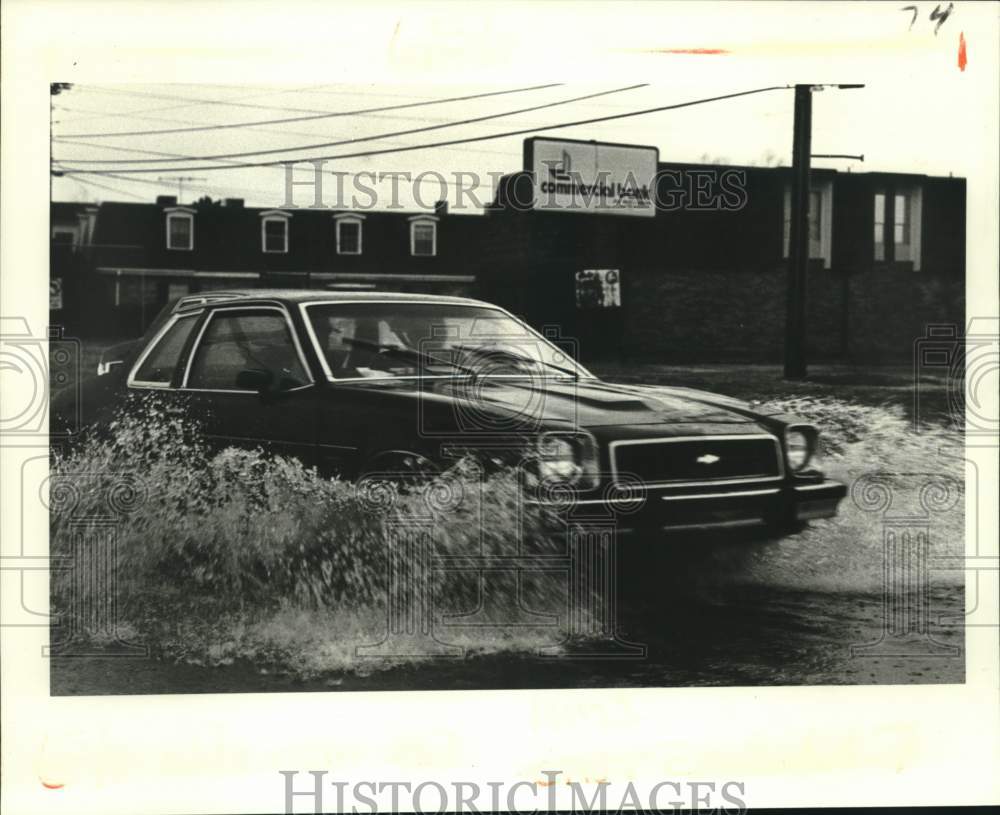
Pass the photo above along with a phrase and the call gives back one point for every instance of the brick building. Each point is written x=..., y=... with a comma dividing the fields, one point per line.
x=887, y=257
x=136, y=257
x=700, y=274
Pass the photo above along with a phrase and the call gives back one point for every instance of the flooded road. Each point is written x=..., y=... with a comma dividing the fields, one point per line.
x=711, y=635
x=872, y=596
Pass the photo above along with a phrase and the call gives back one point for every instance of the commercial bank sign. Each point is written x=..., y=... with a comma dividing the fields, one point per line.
x=592, y=177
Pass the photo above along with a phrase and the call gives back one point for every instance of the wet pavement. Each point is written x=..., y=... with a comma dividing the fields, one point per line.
x=686, y=617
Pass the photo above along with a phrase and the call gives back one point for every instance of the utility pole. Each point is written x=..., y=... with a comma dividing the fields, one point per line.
x=798, y=248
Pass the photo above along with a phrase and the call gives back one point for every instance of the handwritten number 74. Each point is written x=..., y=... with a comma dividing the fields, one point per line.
x=938, y=15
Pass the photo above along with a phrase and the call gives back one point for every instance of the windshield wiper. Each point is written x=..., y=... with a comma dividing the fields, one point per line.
x=408, y=354
x=495, y=350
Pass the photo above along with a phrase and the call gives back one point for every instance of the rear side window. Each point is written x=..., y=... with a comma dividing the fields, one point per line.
x=241, y=341
x=159, y=365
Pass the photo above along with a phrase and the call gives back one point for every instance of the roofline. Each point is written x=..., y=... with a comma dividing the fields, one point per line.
x=676, y=165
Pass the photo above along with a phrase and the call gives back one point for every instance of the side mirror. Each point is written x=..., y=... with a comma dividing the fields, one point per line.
x=255, y=379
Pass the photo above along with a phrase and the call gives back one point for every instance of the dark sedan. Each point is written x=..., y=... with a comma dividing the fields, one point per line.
x=357, y=384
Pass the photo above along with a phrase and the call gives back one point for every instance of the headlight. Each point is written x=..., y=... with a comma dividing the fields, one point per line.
x=799, y=448
x=569, y=458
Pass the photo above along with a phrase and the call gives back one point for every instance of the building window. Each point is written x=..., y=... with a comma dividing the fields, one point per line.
x=423, y=236
x=349, y=234
x=815, y=215
x=180, y=230
x=901, y=208
x=275, y=235
x=820, y=222
x=274, y=232
x=880, y=226
x=901, y=221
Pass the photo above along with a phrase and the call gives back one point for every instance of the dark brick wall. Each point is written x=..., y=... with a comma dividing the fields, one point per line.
x=691, y=315
x=877, y=333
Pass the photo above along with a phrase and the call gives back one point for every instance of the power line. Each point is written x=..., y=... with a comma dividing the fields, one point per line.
x=220, y=190
x=377, y=137
x=187, y=99
x=221, y=161
x=174, y=120
x=192, y=103
x=316, y=115
x=91, y=183
x=225, y=190
x=233, y=101
x=449, y=143
x=370, y=175
x=282, y=132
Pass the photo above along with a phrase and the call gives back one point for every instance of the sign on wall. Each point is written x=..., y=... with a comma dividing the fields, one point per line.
x=55, y=294
x=598, y=288
x=592, y=177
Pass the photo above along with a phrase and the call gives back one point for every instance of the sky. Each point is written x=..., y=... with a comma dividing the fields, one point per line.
x=919, y=111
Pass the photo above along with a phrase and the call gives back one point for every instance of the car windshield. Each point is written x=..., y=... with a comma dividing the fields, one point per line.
x=384, y=340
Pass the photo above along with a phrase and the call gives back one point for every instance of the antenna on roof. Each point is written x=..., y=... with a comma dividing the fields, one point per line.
x=180, y=179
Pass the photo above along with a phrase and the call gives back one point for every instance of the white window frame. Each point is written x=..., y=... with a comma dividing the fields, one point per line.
x=281, y=217
x=180, y=213
x=423, y=220
x=908, y=252
x=823, y=248
x=879, y=191
x=339, y=220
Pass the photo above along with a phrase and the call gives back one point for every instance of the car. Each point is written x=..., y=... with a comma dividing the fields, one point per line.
x=359, y=383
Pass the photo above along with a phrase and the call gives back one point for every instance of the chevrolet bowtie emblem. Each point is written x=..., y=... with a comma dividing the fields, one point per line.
x=708, y=458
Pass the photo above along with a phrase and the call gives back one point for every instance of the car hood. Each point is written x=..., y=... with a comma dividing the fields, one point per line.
x=584, y=403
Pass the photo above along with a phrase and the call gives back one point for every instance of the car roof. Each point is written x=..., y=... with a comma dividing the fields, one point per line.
x=295, y=296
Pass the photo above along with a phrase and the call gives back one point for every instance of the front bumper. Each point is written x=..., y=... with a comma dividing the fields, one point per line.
x=783, y=504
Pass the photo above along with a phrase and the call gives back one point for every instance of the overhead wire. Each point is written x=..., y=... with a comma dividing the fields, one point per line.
x=433, y=145
x=375, y=137
x=313, y=115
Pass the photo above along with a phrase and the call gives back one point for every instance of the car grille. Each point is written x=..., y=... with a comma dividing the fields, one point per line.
x=698, y=459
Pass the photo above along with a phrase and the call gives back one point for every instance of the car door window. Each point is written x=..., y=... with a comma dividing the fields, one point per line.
x=157, y=369
x=239, y=341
